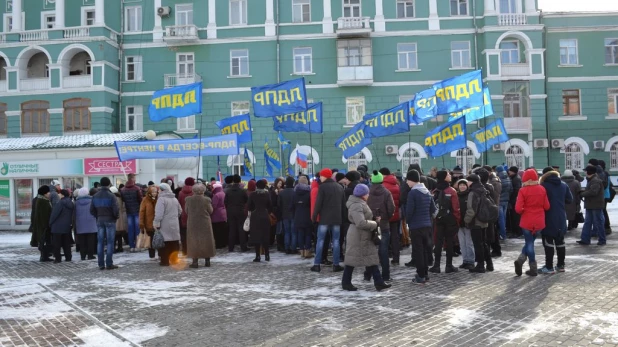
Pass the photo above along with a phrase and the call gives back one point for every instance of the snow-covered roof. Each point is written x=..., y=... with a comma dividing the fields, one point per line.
x=70, y=141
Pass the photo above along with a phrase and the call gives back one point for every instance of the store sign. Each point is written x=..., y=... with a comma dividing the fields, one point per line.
x=108, y=166
x=5, y=202
x=59, y=167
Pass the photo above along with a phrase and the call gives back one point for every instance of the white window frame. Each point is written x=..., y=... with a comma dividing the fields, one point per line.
x=573, y=158
x=502, y=50
x=510, y=103
x=137, y=113
x=309, y=170
x=355, y=52
x=408, y=159
x=613, y=157
x=240, y=107
x=459, y=8
x=137, y=16
x=515, y=156
x=85, y=11
x=137, y=68
x=187, y=62
x=356, y=160
x=187, y=12
x=352, y=7
x=465, y=160
x=405, y=9
x=612, y=94
x=614, y=54
x=461, y=52
x=512, y=3
x=240, y=60
x=5, y=21
x=407, y=53
x=303, y=56
x=184, y=124
x=305, y=7
x=44, y=16
x=357, y=104
x=242, y=20
x=568, y=53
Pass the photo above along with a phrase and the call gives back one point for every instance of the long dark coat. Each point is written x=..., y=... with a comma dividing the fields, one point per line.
x=575, y=206
x=558, y=195
x=200, y=239
x=260, y=206
x=41, y=227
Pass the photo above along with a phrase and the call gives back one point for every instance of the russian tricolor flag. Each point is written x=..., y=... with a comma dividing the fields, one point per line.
x=301, y=159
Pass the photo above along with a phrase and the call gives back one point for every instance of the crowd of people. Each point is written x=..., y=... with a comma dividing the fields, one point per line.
x=362, y=218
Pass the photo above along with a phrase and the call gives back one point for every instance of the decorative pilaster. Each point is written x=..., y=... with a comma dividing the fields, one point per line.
x=434, y=21
x=99, y=12
x=157, y=31
x=16, y=14
x=327, y=21
x=379, y=23
x=211, y=29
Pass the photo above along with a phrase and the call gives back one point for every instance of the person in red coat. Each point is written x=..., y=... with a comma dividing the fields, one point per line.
x=392, y=185
x=447, y=220
x=531, y=204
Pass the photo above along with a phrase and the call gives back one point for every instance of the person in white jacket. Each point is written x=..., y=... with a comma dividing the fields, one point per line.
x=167, y=212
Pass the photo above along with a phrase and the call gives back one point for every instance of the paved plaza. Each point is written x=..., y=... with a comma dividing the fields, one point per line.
x=281, y=303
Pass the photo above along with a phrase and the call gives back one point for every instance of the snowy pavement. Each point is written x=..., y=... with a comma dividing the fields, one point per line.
x=281, y=303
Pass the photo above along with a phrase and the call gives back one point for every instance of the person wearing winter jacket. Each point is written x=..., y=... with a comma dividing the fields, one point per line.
x=105, y=209
x=61, y=224
x=574, y=207
x=301, y=207
x=505, y=196
x=465, y=237
x=594, y=201
x=392, y=184
x=353, y=179
x=447, y=221
x=219, y=216
x=166, y=220
x=608, y=188
x=185, y=192
x=532, y=202
x=381, y=203
x=132, y=198
x=147, y=214
x=513, y=174
x=558, y=194
x=285, y=208
x=477, y=228
x=235, y=204
x=85, y=224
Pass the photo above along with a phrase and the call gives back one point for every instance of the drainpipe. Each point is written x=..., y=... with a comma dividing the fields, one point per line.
x=120, y=57
x=476, y=56
x=547, y=132
x=277, y=36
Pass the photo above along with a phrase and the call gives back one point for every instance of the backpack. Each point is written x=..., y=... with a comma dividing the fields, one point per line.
x=487, y=211
x=443, y=204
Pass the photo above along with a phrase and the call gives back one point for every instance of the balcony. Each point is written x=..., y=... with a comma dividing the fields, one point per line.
x=76, y=32
x=77, y=81
x=520, y=125
x=181, y=34
x=174, y=80
x=511, y=19
x=522, y=69
x=355, y=75
x=34, y=84
x=3, y=86
x=353, y=26
x=34, y=35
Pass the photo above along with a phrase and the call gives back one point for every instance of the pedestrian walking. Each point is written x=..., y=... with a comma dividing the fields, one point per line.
x=131, y=197
x=147, y=215
x=260, y=207
x=200, y=238
x=105, y=209
x=85, y=223
x=594, y=202
x=166, y=220
x=219, y=216
x=447, y=221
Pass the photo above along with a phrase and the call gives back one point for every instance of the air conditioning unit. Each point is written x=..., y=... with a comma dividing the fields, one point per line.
x=557, y=143
x=599, y=144
x=391, y=150
x=164, y=11
x=541, y=143
x=498, y=147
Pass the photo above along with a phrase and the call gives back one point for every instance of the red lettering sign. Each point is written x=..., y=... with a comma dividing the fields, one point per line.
x=108, y=166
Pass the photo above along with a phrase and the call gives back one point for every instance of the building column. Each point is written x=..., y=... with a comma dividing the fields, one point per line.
x=327, y=21
x=60, y=14
x=270, y=29
x=16, y=14
x=211, y=29
x=530, y=7
x=379, y=23
x=434, y=21
x=490, y=8
x=99, y=12
x=157, y=31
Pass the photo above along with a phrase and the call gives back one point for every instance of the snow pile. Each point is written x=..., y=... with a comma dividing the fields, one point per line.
x=140, y=333
x=461, y=317
x=97, y=337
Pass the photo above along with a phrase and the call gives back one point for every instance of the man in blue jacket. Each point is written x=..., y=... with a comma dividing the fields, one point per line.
x=420, y=210
x=104, y=208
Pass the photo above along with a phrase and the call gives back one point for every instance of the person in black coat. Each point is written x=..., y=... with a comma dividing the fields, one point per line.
x=301, y=207
x=235, y=203
x=513, y=216
x=284, y=205
x=260, y=207
x=61, y=224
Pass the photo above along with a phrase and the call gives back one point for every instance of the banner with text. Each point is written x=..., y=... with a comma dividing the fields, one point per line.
x=424, y=106
x=309, y=121
x=446, y=138
x=279, y=99
x=353, y=141
x=476, y=113
x=459, y=93
x=177, y=102
x=493, y=134
x=240, y=125
x=389, y=122
x=161, y=149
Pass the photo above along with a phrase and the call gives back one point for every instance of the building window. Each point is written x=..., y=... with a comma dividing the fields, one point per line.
x=508, y=6
x=184, y=14
x=185, y=67
x=238, y=164
x=406, y=54
x=460, y=55
x=88, y=16
x=357, y=160
x=515, y=157
x=133, y=19
x=186, y=123
x=516, y=99
x=48, y=20
x=76, y=114
x=410, y=156
x=34, y=117
x=238, y=12
x=568, y=52
x=512, y=105
x=355, y=109
x=135, y=118
x=352, y=8
x=459, y=7
x=354, y=52
x=611, y=51
x=570, y=103
x=309, y=169
x=133, y=68
x=405, y=8
x=574, y=157
x=613, y=157
x=509, y=52
x=612, y=101
x=8, y=23
x=240, y=108
x=3, y=119
x=465, y=159
x=239, y=64
x=301, y=11
x=303, y=60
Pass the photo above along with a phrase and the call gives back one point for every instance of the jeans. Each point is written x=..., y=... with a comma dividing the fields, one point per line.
x=383, y=254
x=304, y=238
x=133, y=226
x=105, y=238
x=322, y=230
x=502, y=219
x=594, y=218
x=290, y=234
x=466, y=245
x=373, y=270
x=528, y=249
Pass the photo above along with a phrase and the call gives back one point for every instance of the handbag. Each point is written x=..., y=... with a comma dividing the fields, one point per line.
x=143, y=240
x=273, y=219
x=158, y=242
x=579, y=217
x=247, y=226
x=376, y=236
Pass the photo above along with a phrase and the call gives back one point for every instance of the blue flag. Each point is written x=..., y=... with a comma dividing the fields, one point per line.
x=390, y=122
x=476, y=113
x=492, y=134
x=269, y=168
x=309, y=121
x=289, y=167
x=353, y=141
x=271, y=156
x=283, y=142
x=177, y=102
x=278, y=99
x=240, y=125
x=247, y=163
x=446, y=138
x=459, y=93
x=161, y=149
x=425, y=106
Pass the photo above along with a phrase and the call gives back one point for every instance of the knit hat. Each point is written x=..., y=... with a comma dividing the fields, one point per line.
x=591, y=170
x=105, y=182
x=43, y=190
x=462, y=181
x=474, y=178
x=413, y=176
x=499, y=168
x=326, y=172
x=377, y=177
x=361, y=190
x=150, y=183
x=593, y=162
x=353, y=176
x=568, y=173
x=260, y=184
x=483, y=175
x=339, y=176
x=514, y=169
x=457, y=170
x=165, y=186
x=55, y=183
x=236, y=178
x=217, y=185
x=228, y=179
x=189, y=181
x=441, y=175
x=82, y=192
x=385, y=171
x=303, y=180
x=362, y=167
x=547, y=169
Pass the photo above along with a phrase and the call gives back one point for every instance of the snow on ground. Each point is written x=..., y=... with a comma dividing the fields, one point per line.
x=25, y=303
x=462, y=317
x=139, y=333
x=97, y=337
x=15, y=239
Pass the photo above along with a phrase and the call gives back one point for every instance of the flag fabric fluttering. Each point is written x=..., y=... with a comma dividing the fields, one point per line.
x=283, y=142
x=247, y=163
x=301, y=159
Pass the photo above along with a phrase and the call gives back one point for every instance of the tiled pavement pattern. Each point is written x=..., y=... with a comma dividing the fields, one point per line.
x=281, y=303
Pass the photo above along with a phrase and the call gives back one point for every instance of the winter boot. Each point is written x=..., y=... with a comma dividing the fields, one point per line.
x=436, y=267
x=533, y=270
x=207, y=264
x=450, y=269
x=194, y=264
x=315, y=268
x=479, y=268
x=349, y=287
x=519, y=263
x=489, y=264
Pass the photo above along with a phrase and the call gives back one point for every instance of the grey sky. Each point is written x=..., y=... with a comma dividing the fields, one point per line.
x=578, y=5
